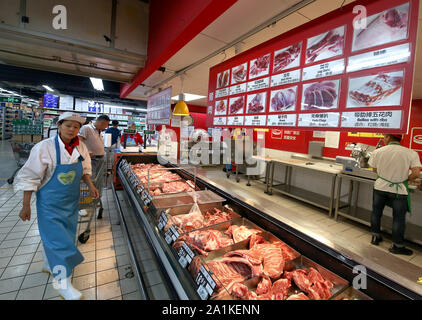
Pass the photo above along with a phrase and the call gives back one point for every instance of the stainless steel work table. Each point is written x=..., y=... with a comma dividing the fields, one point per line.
x=353, y=211
x=286, y=187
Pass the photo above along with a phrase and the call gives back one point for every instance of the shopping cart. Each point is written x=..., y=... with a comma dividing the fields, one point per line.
x=87, y=202
x=21, y=152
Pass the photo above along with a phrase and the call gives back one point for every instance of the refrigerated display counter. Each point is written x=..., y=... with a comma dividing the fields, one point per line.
x=189, y=271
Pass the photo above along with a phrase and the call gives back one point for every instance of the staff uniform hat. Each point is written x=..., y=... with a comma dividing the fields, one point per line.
x=72, y=116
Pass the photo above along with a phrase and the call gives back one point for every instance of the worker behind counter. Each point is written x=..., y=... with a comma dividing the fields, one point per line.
x=54, y=171
x=132, y=140
x=392, y=164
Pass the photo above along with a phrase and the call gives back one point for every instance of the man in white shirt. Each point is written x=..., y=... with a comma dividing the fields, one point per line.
x=392, y=163
x=90, y=134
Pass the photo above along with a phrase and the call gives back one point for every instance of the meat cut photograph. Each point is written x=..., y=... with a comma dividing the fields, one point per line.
x=320, y=95
x=284, y=100
x=284, y=58
x=387, y=26
x=330, y=45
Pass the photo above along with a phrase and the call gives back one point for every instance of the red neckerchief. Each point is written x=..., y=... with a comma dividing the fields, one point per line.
x=73, y=143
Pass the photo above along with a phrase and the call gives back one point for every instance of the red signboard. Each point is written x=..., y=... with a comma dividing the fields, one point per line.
x=349, y=70
x=159, y=107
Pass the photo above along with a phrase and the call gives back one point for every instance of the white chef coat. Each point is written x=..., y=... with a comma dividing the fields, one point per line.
x=93, y=139
x=41, y=164
x=393, y=163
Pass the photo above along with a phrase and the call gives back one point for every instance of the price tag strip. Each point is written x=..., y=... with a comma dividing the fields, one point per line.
x=185, y=255
x=204, y=280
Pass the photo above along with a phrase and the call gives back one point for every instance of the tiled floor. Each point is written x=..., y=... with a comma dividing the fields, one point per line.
x=105, y=274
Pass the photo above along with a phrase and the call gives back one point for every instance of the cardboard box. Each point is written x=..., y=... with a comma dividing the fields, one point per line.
x=26, y=138
x=36, y=138
x=17, y=138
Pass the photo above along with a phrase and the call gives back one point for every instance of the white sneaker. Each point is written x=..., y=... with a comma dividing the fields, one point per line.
x=69, y=292
x=83, y=213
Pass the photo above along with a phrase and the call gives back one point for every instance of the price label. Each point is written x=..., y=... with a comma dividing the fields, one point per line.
x=168, y=237
x=183, y=262
x=162, y=220
x=203, y=293
x=174, y=231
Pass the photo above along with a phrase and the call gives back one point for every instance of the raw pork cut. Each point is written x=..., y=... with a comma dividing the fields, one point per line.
x=240, y=233
x=237, y=105
x=288, y=253
x=311, y=282
x=320, y=95
x=264, y=286
x=286, y=57
x=376, y=89
x=223, y=79
x=256, y=105
x=176, y=186
x=241, y=264
x=280, y=289
x=391, y=25
x=332, y=41
x=186, y=222
x=239, y=74
x=228, y=272
x=283, y=100
x=272, y=259
x=215, y=216
x=260, y=65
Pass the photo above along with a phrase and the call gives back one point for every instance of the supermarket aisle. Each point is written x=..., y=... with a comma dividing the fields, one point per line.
x=346, y=230
x=105, y=274
x=7, y=160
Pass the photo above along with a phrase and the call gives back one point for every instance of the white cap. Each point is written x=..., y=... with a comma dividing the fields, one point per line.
x=72, y=116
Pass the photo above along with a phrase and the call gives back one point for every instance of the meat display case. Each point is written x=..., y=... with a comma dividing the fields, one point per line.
x=175, y=270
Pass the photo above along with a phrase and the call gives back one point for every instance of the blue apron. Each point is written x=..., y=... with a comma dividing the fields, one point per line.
x=57, y=212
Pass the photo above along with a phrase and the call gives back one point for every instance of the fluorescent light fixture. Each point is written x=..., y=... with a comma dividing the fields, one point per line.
x=189, y=97
x=97, y=84
x=48, y=88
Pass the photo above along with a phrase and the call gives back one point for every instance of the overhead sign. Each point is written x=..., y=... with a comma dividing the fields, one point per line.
x=10, y=99
x=331, y=74
x=159, y=107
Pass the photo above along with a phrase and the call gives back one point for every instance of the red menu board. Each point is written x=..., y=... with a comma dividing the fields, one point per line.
x=159, y=107
x=349, y=69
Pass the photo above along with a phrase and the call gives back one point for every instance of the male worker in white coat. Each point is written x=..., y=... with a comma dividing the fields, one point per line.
x=392, y=164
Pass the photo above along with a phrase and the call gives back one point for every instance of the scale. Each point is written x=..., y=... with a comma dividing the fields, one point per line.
x=357, y=163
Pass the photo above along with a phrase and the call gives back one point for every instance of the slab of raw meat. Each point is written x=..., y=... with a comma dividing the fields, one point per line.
x=240, y=233
x=320, y=95
x=273, y=261
x=284, y=58
x=215, y=216
x=256, y=105
x=389, y=26
x=283, y=100
x=204, y=241
x=332, y=41
x=311, y=282
x=175, y=187
x=187, y=222
x=255, y=239
x=280, y=289
x=227, y=273
x=376, y=89
x=288, y=253
x=244, y=266
x=237, y=105
x=254, y=256
x=264, y=286
x=299, y=296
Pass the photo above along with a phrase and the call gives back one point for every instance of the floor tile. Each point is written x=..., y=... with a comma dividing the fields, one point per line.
x=14, y=272
x=132, y=296
x=109, y=291
x=9, y=296
x=122, y=260
x=10, y=243
x=34, y=280
x=107, y=276
x=159, y=292
x=121, y=250
x=31, y=240
x=105, y=253
x=152, y=278
x=86, y=247
x=417, y=260
x=27, y=249
x=35, y=267
x=38, y=257
x=105, y=264
x=10, y=285
x=50, y=292
x=9, y=252
x=84, y=269
x=105, y=244
x=104, y=236
x=84, y=282
x=89, y=294
x=35, y=293
x=4, y=261
x=129, y=285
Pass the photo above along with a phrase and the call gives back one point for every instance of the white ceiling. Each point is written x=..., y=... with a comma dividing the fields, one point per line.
x=242, y=17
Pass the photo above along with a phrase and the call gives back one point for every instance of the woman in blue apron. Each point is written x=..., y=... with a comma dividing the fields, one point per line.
x=58, y=203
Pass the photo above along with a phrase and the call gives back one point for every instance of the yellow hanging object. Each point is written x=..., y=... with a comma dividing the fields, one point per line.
x=420, y=280
x=181, y=109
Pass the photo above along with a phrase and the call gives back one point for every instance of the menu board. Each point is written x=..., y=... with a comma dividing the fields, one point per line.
x=332, y=74
x=159, y=107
